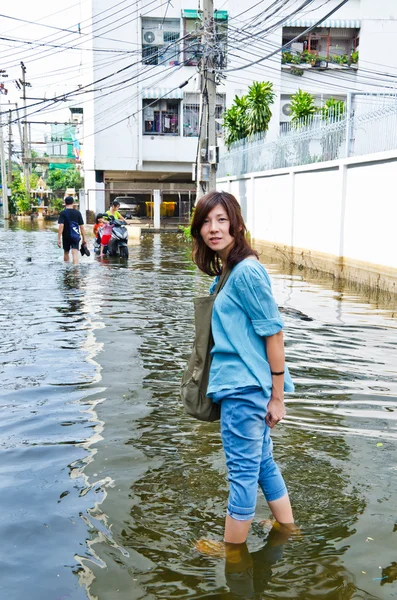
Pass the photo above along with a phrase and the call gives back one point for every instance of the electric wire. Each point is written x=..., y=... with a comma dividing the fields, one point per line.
x=51, y=37
x=104, y=78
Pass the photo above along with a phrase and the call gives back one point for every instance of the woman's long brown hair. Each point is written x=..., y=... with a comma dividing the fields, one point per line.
x=206, y=259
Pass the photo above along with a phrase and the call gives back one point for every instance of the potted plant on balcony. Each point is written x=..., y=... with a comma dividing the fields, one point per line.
x=353, y=58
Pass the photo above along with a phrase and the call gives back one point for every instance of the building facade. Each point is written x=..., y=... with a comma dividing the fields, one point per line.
x=141, y=116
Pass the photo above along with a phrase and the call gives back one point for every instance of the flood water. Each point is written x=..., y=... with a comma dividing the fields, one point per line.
x=105, y=484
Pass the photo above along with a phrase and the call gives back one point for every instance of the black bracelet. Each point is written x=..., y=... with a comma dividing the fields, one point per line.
x=277, y=373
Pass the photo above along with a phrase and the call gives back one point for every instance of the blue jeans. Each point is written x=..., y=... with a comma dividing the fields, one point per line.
x=248, y=449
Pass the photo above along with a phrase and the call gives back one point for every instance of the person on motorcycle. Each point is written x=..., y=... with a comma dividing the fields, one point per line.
x=106, y=234
x=99, y=222
x=114, y=212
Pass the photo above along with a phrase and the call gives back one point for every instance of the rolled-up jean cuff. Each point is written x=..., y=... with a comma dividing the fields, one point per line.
x=240, y=514
x=277, y=495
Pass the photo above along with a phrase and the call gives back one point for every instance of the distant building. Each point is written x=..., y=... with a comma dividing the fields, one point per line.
x=65, y=140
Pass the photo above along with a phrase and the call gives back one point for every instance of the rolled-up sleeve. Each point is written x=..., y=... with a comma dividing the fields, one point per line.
x=256, y=297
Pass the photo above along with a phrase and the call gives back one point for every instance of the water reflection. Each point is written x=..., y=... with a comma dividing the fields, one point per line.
x=93, y=428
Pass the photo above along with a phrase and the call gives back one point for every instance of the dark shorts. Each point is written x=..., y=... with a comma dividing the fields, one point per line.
x=68, y=244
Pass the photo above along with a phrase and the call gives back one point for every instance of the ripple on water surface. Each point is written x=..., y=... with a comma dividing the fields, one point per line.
x=106, y=484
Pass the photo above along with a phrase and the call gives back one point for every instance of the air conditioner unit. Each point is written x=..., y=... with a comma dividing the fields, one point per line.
x=153, y=37
x=285, y=111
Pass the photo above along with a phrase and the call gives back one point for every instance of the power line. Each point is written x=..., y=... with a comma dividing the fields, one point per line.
x=51, y=38
x=291, y=41
x=367, y=79
x=79, y=90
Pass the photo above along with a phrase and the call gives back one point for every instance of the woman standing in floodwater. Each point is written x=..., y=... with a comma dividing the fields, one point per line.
x=248, y=374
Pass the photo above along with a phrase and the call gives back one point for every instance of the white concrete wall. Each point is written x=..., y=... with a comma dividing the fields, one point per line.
x=345, y=208
x=371, y=214
x=169, y=148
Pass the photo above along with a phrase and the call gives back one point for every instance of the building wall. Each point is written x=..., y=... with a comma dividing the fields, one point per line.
x=338, y=217
x=377, y=44
x=122, y=146
x=376, y=52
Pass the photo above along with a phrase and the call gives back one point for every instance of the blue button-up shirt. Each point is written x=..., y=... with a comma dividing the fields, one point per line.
x=244, y=313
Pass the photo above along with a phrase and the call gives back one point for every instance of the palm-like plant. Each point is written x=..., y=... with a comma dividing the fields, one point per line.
x=249, y=114
x=332, y=139
x=302, y=107
x=235, y=121
x=332, y=109
x=259, y=98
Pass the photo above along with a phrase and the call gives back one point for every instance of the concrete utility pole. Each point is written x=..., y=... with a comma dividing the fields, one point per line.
x=9, y=171
x=3, y=170
x=25, y=145
x=207, y=154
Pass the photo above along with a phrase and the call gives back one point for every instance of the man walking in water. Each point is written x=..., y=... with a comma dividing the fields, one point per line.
x=70, y=224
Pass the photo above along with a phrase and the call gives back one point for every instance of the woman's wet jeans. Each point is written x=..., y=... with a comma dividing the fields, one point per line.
x=248, y=449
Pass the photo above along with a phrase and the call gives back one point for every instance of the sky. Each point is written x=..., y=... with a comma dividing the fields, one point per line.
x=51, y=71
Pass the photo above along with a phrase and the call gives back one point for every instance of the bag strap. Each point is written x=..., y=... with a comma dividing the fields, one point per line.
x=222, y=280
x=67, y=217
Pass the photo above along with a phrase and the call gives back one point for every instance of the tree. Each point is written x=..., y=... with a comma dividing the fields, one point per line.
x=332, y=112
x=59, y=180
x=235, y=121
x=259, y=98
x=249, y=114
x=19, y=199
x=302, y=108
x=302, y=111
x=332, y=109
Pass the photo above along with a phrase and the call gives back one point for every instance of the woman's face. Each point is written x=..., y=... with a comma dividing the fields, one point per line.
x=216, y=231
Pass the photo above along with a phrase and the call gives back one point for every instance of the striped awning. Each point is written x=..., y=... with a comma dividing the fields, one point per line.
x=189, y=13
x=339, y=23
x=153, y=93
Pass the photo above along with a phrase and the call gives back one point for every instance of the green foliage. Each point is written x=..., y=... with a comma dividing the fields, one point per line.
x=308, y=57
x=340, y=60
x=296, y=71
x=332, y=140
x=286, y=57
x=259, y=98
x=19, y=200
x=235, y=121
x=186, y=232
x=61, y=179
x=332, y=108
x=249, y=114
x=34, y=178
x=302, y=107
x=56, y=204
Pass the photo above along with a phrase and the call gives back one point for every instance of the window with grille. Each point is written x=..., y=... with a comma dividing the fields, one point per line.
x=161, y=117
x=160, y=45
x=191, y=114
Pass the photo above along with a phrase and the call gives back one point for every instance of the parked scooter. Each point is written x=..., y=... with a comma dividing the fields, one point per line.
x=118, y=243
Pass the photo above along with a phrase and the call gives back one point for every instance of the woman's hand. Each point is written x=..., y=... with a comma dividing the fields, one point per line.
x=275, y=411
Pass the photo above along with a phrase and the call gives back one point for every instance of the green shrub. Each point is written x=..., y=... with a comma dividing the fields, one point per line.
x=187, y=236
x=56, y=204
